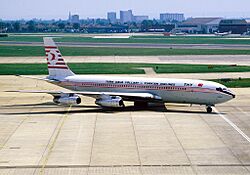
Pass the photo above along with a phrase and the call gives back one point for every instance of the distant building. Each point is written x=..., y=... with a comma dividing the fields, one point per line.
x=75, y=19
x=126, y=16
x=172, y=17
x=236, y=26
x=248, y=25
x=139, y=19
x=69, y=19
x=199, y=25
x=111, y=16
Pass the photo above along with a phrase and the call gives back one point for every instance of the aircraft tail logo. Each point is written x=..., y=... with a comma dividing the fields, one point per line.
x=56, y=66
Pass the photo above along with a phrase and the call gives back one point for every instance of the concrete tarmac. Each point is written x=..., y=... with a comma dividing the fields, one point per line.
x=180, y=59
x=38, y=137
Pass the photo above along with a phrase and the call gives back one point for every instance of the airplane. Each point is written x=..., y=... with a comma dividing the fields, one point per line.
x=179, y=33
x=112, y=91
x=223, y=33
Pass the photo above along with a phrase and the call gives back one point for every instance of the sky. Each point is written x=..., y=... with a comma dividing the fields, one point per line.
x=59, y=9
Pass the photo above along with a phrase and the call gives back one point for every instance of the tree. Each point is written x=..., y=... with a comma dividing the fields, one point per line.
x=16, y=26
x=61, y=25
x=2, y=26
x=155, y=22
x=31, y=26
x=76, y=25
x=8, y=27
x=146, y=24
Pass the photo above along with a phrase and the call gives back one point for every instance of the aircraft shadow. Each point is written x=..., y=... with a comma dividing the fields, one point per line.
x=43, y=105
x=90, y=109
x=30, y=105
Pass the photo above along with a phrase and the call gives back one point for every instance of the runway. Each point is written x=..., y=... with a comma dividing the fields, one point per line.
x=38, y=137
x=180, y=59
x=133, y=45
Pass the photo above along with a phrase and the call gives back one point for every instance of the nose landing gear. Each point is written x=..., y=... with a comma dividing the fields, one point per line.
x=209, y=109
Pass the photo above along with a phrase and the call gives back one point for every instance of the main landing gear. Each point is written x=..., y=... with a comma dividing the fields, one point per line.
x=209, y=109
x=140, y=104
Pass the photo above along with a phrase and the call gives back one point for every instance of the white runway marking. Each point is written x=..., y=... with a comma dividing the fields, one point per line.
x=233, y=125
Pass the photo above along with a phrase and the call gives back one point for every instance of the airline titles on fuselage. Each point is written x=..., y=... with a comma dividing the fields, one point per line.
x=146, y=83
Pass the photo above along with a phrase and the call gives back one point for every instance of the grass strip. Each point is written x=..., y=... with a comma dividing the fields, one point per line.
x=19, y=51
x=234, y=83
x=119, y=68
x=134, y=39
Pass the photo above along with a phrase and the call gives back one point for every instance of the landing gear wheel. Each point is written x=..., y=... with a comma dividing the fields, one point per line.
x=209, y=109
x=140, y=104
x=121, y=103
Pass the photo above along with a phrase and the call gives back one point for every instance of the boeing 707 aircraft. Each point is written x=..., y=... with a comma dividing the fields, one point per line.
x=112, y=91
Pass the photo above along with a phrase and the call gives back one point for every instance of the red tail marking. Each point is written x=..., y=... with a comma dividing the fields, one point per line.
x=53, y=56
x=60, y=63
x=50, y=47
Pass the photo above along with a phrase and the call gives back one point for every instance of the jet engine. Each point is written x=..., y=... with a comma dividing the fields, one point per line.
x=113, y=102
x=67, y=100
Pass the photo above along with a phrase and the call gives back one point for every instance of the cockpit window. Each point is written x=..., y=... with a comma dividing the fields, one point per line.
x=219, y=89
x=226, y=91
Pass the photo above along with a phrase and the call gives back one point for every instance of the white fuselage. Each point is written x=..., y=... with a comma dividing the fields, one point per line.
x=170, y=90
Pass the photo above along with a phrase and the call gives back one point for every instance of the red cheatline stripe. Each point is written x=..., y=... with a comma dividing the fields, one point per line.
x=50, y=47
x=60, y=63
x=47, y=50
x=57, y=67
x=60, y=59
x=87, y=84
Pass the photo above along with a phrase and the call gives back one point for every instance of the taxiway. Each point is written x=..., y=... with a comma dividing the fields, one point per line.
x=38, y=137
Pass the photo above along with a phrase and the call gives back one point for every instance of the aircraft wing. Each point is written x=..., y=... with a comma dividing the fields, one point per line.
x=131, y=96
x=54, y=93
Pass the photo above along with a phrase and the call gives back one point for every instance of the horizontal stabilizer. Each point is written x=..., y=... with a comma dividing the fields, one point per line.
x=37, y=78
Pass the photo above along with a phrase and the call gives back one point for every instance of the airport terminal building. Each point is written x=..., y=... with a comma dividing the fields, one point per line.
x=236, y=26
x=199, y=25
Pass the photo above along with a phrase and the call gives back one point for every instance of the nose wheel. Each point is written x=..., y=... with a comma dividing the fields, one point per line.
x=209, y=109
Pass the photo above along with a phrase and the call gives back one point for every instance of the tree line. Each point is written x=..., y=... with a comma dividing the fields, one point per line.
x=84, y=26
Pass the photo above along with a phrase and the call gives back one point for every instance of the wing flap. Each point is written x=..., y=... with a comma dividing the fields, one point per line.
x=125, y=95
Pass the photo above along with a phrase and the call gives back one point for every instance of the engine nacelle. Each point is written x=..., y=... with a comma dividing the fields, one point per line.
x=67, y=100
x=113, y=102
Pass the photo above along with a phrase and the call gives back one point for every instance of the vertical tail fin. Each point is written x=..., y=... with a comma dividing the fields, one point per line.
x=57, y=68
